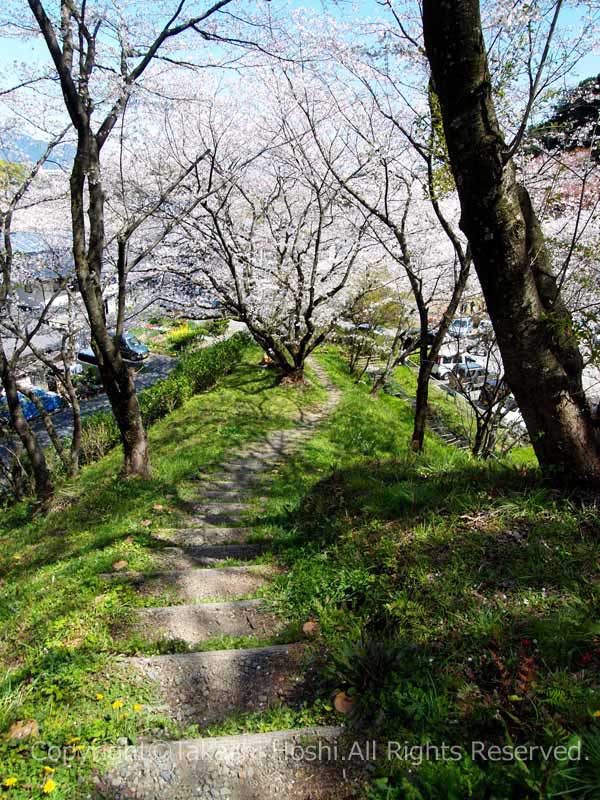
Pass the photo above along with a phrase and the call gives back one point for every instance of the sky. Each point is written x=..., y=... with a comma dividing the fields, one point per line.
x=32, y=51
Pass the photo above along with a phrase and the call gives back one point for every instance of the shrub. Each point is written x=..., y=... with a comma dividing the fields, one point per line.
x=215, y=327
x=196, y=372
x=182, y=336
x=98, y=435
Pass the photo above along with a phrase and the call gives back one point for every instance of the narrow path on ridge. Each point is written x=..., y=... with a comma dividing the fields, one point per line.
x=209, y=687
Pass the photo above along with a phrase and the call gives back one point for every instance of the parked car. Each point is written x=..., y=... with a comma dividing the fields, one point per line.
x=493, y=390
x=50, y=402
x=459, y=365
x=130, y=346
x=460, y=327
x=30, y=307
x=412, y=337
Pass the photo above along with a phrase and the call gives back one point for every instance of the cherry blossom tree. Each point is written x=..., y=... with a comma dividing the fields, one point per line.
x=17, y=183
x=273, y=240
x=100, y=56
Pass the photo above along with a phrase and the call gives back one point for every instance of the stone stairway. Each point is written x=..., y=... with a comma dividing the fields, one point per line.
x=434, y=421
x=204, y=688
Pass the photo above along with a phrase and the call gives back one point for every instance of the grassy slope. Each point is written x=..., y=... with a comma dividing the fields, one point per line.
x=454, y=598
x=56, y=613
x=458, y=600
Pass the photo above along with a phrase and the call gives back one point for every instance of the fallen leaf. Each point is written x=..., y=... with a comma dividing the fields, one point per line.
x=119, y=565
x=23, y=729
x=311, y=628
x=343, y=703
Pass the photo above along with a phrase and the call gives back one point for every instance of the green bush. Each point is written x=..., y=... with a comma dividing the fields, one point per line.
x=196, y=372
x=98, y=435
x=215, y=327
x=182, y=336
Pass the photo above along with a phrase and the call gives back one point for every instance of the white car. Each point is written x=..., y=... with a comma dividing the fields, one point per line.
x=461, y=326
x=461, y=365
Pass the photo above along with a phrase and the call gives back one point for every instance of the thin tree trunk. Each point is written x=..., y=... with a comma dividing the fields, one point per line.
x=49, y=426
x=116, y=376
x=35, y=454
x=533, y=327
x=77, y=434
x=421, y=406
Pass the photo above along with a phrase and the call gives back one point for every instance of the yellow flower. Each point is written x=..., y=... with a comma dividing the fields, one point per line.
x=8, y=782
x=596, y=713
x=99, y=696
x=49, y=786
x=48, y=770
x=137, y=706
x=78, y=748
x=73, y=739
x=118, y=704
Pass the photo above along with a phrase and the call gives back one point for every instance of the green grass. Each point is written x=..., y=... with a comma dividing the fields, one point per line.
x=455, y=413
x=57, y=614
x=457, y=600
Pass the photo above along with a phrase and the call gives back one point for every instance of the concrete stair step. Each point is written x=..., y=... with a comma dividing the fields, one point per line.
x=229, y=495
x=204, y=688
x=206, y=555
x=262, y=766
x=216, y=519
x=193, y=624
x=206, y=535
x=216, y=507
x=240, y=463
x=231, y=480
x=225, y=483
x=195, y=585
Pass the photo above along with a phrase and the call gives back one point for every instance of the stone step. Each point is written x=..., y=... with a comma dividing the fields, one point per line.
x=230, y=480
x=226, y=495
x=200, y=517
x=198, y=623
x=260, y=766
x=215, y=507
x=204, y=688
x=206, y=555
x=226, y=481
x=206, y=535
x=195, y=585
x=250, y=467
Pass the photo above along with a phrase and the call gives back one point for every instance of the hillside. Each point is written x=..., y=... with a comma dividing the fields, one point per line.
x=449, y=600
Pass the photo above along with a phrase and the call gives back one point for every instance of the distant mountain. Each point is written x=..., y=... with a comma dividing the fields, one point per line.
x=25, y=148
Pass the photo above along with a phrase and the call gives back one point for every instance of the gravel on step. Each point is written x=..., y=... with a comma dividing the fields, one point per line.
x=198, y=623
x=194, y=585
x=204, y=688
x=206, y=535
x=206, y=555
x=301, y=764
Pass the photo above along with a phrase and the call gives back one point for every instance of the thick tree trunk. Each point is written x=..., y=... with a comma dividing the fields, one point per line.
x=533, y=328
x=122, y=395
x=35, y=454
